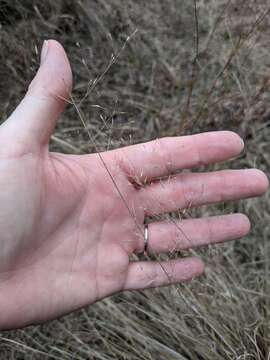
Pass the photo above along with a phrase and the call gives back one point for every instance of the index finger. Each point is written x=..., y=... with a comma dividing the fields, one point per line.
x=162, y=157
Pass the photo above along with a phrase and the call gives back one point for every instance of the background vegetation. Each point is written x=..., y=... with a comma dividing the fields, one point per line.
x=157, y=68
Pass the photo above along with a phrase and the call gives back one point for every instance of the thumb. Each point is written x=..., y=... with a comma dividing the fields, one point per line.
x=33, y=121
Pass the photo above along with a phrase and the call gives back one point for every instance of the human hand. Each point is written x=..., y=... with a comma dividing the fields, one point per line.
x=67, y=231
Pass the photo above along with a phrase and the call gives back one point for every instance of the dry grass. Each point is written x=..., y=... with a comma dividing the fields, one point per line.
x=178, y=74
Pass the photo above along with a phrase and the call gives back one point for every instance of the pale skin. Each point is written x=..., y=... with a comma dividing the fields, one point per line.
x=66, y=234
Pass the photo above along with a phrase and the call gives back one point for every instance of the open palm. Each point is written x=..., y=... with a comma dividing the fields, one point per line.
x=69, y=224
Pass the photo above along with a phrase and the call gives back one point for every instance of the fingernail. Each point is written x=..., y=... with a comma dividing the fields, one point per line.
x=242, y=143
x=44, y=51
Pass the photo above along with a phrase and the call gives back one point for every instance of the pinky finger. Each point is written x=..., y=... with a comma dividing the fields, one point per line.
x=150, y=274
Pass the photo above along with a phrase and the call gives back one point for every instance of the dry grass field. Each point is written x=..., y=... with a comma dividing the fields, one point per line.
x=142, y=70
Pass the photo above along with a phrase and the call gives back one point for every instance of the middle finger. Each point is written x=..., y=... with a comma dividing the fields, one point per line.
x=195, y=189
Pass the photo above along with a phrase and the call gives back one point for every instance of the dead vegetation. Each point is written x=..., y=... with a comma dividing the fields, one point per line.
x=184, y=69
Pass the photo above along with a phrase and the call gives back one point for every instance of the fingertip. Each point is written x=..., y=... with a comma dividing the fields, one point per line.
x=68, y=71
x=264, y=181
x=235, y=140
x=244, y=224
x=64, y=67
x=200, y=266
x=240, y=141
x=197, y=266
x=224, y=144
x=261, y=181
x=54, y=77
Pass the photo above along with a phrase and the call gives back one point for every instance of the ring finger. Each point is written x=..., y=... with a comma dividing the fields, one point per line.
x=169, y=236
